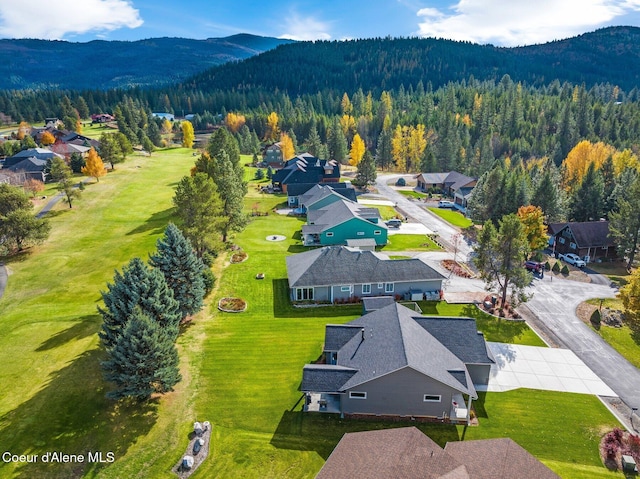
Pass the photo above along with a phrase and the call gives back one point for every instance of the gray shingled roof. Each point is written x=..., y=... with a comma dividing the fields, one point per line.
x=319, y=192
x=460, y=336
x=334, y=265
x=341, y=211
x=394, y=340
x=29, y=164
x=398, y=453
x=434, y=178
x=324, y=377
x=457, y=180
x=337, y=335
x=376, y=302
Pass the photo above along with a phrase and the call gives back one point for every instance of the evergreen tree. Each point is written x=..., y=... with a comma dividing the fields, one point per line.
x=182, y=270
x=337, y=143
x=384, y=156
x=548, y=195
x=142, y=287
x=624, y=223
x=200, y=209
x=500, y=253
x=366, y=174
x=232, y=188
x=143, y=359
x=587, y=201
x=314, y=143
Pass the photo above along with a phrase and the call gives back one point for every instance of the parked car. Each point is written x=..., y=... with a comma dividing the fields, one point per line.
x=445, y=204
x=394, y=223
x=534, y=267
x=573, y=259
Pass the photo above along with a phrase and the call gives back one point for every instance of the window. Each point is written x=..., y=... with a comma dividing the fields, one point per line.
x=377, y=232
x=360, y=233
x=329, y=234
x=380, y=285
x=561, y=240
x=303, y=294
x=366, y=289
x=573, y=245
x=345, y=289
x=432, y=398
x=388, y=287
x=357, y=395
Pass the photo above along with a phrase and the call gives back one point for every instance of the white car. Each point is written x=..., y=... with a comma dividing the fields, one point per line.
x=573, y=259
x=445, y=204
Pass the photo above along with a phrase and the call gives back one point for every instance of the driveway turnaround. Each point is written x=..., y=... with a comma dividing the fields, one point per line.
x=548, y=369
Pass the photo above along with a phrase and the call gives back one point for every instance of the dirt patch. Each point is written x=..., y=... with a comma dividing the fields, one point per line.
x=232, y=305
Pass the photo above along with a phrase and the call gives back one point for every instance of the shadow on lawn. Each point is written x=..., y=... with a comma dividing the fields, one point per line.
x=321, y=432
x=70, y=414
x=156, y=222
x=86, y=326
x=282, y=307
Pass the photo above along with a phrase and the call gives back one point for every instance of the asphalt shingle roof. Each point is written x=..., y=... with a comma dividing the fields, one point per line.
x=333, y=265
x=460, y=336
x=587, y=234
x=337, y=335
x=498, y=458
x=324, y=377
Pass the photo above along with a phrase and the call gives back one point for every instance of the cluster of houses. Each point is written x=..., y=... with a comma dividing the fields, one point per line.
x=31, y=163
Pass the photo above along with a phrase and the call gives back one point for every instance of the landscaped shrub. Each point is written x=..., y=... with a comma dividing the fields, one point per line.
x=401, y=182
x=547, y=266
x=565, y=270
x=556, y=267
x=537, y=256
x=209, y=280
x=595, y=319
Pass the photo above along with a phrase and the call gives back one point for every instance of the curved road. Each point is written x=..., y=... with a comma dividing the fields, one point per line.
x=553, y=303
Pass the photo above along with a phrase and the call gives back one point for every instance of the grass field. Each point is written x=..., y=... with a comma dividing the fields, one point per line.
x=400, y=242
x=240, y=371
x=413, y=194
x=452, y=216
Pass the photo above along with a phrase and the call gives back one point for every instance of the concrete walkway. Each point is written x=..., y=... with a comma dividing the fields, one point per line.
x=548, y=369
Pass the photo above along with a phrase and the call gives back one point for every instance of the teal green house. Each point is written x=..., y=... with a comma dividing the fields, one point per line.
x=344, y=222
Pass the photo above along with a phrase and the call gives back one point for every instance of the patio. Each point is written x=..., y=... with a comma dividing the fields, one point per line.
x=322, y=402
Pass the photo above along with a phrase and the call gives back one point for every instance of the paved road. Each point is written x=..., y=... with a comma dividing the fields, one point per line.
x=553, y=305
x=419, y=214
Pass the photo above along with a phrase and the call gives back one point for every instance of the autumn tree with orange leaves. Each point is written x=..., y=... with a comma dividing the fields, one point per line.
x=94, y=167
x=532, y=219
x=272, y=127
x=47, y=139
x=234, y=121
x=286, y=146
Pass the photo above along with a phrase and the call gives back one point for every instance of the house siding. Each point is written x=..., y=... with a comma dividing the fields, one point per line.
x=400, y=393
x=479, y=373
x=349, y=230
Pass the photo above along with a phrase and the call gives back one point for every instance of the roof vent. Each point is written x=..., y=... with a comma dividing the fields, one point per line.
x=362, y=331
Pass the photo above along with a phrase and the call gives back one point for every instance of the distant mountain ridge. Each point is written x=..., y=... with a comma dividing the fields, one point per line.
x=37, y=64
x=609, y=55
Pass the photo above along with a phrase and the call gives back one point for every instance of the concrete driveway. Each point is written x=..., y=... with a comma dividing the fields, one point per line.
x=554, y=304
x=549, y=369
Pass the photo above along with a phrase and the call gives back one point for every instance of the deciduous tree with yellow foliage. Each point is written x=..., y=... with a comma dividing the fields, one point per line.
x=286, y=146
x=580, y=157
x=272, y=127
x=532, y=219
x=407, y=146
x=95, y=166
x=357, y=150
x=188, y=135
x=234, y=121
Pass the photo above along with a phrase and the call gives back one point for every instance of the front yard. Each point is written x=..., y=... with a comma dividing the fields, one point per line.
x=400, y=242
x=452, y=216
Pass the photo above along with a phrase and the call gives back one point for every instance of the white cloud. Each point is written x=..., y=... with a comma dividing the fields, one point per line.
x=520, y=22
x=305, y=28
x=56, y=20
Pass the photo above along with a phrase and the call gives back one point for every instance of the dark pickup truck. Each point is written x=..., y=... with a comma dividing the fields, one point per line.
x=534, y=267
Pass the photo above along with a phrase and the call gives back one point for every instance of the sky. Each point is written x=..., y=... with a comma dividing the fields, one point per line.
x=497, y=22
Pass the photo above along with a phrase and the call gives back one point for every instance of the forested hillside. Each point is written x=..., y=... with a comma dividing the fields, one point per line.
x=610, y=55
x=28, y=64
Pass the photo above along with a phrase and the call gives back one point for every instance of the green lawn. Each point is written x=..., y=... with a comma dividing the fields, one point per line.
x=240, y=371
x=412, y=194
x=452, y=216
x=400, y=242
x=386, y=212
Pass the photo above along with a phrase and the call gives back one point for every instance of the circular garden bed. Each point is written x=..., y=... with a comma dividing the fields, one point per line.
x=232, y=305
x=239, y=257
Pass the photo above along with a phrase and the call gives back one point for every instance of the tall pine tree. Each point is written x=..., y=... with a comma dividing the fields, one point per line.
x=137, y=286
x=182, y=270
x=143, y=359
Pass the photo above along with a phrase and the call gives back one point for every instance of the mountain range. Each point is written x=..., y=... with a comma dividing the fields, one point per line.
x=40, y=64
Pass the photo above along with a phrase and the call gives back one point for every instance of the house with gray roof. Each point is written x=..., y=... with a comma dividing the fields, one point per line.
x=297, y=194
x=339, y=273
x=37, y=153
x=455, y=185
x=30, y=168
x=342, y=220
x=387, y=363
x=407, y=453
